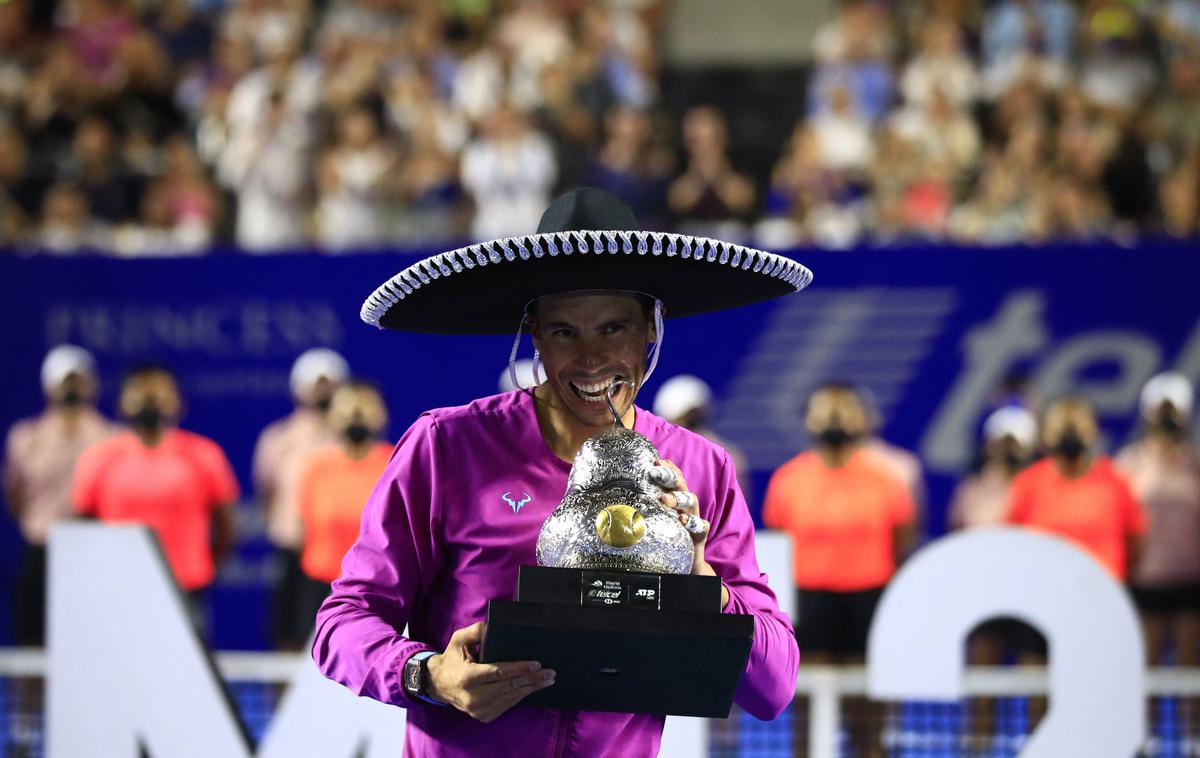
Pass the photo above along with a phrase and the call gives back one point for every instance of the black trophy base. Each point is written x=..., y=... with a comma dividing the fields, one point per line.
x=622, y=657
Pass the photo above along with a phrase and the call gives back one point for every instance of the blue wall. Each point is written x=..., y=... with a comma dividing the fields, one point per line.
x=929, y=330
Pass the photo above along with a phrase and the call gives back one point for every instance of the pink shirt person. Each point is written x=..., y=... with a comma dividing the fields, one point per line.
x=440, y=538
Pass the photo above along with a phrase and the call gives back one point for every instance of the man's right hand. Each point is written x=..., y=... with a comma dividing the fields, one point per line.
x=483, y=691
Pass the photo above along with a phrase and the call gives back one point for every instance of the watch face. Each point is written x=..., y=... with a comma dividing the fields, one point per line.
x=412, y=676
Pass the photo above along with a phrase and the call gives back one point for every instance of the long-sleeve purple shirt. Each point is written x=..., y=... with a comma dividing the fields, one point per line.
x=445, y=531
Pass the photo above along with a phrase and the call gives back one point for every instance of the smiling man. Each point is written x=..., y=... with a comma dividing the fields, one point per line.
x=464, y=496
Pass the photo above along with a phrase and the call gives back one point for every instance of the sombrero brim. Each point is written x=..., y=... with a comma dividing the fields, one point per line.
x=483, y=289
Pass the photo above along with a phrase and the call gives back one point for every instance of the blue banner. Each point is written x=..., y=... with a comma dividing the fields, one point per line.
x=930, y=331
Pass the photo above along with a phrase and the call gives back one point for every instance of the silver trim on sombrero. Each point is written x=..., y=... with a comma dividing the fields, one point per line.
x=514, y=249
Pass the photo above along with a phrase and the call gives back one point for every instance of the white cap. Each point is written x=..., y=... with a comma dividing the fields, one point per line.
x=524, y=368
x=681, y=394
x=314, y=364
x=1011, y=421
x=63, y=361
x=1169, y=386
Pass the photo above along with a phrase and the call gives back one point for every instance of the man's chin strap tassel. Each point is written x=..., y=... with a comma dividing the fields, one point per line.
x=658, y=340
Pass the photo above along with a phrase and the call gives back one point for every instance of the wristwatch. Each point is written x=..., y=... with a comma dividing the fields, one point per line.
x=416, y=676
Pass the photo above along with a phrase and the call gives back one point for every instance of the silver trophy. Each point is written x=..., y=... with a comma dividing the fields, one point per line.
x=611, y=516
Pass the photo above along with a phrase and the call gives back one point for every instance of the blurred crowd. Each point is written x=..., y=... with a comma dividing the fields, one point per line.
x=854, y=505
x=165, y=127
x=996, y=123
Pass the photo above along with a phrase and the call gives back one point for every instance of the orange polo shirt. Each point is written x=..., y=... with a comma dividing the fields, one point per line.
x=333, y=488
x=1096, y=511
x=173, y=488
x=842, y=520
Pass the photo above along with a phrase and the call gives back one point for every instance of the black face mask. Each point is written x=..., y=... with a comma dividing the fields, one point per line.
x=1071, y=446
x=835, y=436
x=1012, y=460
x=357, y=433
x=149, y=417
x=1168, y=425
x=71, y=398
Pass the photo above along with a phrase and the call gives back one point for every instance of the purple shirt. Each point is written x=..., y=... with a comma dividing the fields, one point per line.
x=439, y=539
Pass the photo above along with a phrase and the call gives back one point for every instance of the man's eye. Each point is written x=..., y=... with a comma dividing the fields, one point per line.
x=613, y=328
x=563, y=333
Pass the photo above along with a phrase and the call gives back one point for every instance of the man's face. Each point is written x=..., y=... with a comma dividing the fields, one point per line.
x=1066, y=420
x=357, y=405
x=837, y=409
x=75, y=390
x=587, y=342
x=157, y=390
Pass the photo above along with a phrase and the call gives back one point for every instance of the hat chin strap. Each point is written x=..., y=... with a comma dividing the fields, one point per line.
x=651, y=363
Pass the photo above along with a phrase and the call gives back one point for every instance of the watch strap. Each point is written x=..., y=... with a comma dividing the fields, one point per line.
x=421, y=660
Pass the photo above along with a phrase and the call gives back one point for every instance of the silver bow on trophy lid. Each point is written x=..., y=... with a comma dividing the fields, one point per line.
x=611, y=517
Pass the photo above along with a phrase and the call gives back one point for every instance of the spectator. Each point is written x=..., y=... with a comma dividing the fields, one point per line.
x=843, y=133
x=112, y=194
x=1179, y=196
x=710, y=197
x=687, y=401
x=278, y=458
x=509, y=172
x=67, y=225
x=156, y=233
x=353, y=183
x=1077, y=494
x=22, y=190
x=981, y=500
x=630, y=166
x=854, y=56
x=1164, y=469
x=333, y=487
x=265, y=166
x=941, y=66
x=997, y=214
x=177, y=483
x=1009, y=442
x=1115, y=72
x=40, y=457
x=1021, y=38
x=1179, y=27
x=851, y=521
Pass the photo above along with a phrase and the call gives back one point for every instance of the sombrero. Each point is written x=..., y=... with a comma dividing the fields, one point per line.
x=587, y=240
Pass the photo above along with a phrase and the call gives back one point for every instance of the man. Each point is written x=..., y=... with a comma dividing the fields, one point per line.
x=278, y=456
x=439, y=538
x=177, y=483
x=686, y=401
x=851, y=520
x=1164, y=469
x=333, y=485
x=41, y=454
x=981, y=500
x=1009, y=442
x=1077, y=494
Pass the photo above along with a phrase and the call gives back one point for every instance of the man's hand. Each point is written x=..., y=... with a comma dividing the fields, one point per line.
x=688, y=508
x=483, y=691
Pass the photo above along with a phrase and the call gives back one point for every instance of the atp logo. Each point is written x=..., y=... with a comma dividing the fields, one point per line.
x=518, y=504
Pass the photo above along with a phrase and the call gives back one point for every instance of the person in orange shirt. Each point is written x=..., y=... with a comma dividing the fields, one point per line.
x=851, y=519
x=333, y=487
x=178, y=483
x=1077, y=494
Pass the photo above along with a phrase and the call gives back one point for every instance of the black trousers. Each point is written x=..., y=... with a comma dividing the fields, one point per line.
x=29, y=599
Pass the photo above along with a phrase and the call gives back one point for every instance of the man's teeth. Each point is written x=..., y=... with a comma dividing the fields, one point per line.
x=594, y=390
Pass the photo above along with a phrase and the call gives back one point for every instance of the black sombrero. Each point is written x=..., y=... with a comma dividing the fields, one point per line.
x=587, y=240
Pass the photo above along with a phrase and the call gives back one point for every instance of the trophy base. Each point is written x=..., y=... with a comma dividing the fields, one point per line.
x=624, y=658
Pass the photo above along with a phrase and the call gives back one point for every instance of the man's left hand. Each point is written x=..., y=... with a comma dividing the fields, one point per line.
x=684, y=502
